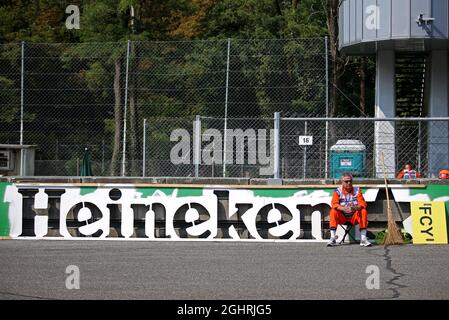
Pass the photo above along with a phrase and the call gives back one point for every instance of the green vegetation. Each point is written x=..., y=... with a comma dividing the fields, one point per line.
x=85, y=75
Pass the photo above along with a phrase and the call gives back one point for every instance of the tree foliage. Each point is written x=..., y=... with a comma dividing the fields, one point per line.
x=110, y=24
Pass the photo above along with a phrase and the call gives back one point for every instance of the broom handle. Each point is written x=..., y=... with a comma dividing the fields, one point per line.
x=386, y=183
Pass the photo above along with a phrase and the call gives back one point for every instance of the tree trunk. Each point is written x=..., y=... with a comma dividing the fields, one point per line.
x=363, y=86
x=336, y=65
x=332, y=24
x=114, y=169
x=296, y=4
x=133, y=113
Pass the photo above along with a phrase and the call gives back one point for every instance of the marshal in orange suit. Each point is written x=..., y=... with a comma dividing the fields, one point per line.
x=348, y=205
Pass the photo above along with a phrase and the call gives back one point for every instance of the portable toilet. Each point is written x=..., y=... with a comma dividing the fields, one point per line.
x=348, y=156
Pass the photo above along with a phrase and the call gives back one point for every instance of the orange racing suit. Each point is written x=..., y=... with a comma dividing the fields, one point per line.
x=343, y=198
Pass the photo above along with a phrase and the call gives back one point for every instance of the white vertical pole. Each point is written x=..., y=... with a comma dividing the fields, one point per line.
x=385, y=107
x=144, y=148
x=132, y=18
x=22, y=88
x=226, y=109
x=438, y=132
x=305, y=154
x=326, y=174
x=102, y=157
x=125, y=110
x=277, y=153
x=419, y=147
x=197, y=145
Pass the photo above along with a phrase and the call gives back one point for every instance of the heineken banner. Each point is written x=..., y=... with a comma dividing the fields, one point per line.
x=126, y=211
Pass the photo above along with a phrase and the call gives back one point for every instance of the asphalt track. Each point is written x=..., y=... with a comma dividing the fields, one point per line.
x=36, y=269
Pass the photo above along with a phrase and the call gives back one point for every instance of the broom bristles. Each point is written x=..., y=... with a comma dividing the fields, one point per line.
x=393, y=235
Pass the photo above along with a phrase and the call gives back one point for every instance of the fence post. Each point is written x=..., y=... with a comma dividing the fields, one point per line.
x=327, y=107
x=326, y=173
x=22, y=88
x=197, y=144
x=226, y=108
x=276, y=147
x=327, y=76
x=102, y=157
x=419, y=147
x=305, y=153
x=144, y=148
x=125, y=110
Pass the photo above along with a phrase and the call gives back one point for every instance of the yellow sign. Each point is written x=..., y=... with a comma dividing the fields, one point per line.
x=429, y=222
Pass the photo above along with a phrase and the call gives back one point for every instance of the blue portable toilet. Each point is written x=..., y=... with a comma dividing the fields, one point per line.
x=348, y=156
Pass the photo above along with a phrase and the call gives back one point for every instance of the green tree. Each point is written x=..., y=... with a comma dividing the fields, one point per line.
x=260, y=62
x=101, y=22
x=35, y=21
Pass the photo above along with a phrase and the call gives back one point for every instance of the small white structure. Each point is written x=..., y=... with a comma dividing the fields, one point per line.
x=16, y=160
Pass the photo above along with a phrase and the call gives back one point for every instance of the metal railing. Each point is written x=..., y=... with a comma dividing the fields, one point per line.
x=307, y=148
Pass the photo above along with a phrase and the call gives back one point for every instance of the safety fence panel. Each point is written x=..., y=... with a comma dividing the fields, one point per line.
x=422, y=142
x=10, y=93
x=63, y=98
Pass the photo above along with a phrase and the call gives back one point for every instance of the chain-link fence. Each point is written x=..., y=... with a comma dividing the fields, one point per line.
x=306, y=148
x=62, y=98
x=173, y=145
x=134, y=105
x=10, y=93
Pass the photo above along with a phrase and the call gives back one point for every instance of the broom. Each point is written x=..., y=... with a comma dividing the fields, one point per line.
x=393, y=235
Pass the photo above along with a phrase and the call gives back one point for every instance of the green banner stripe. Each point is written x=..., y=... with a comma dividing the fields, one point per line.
x=4, y=206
